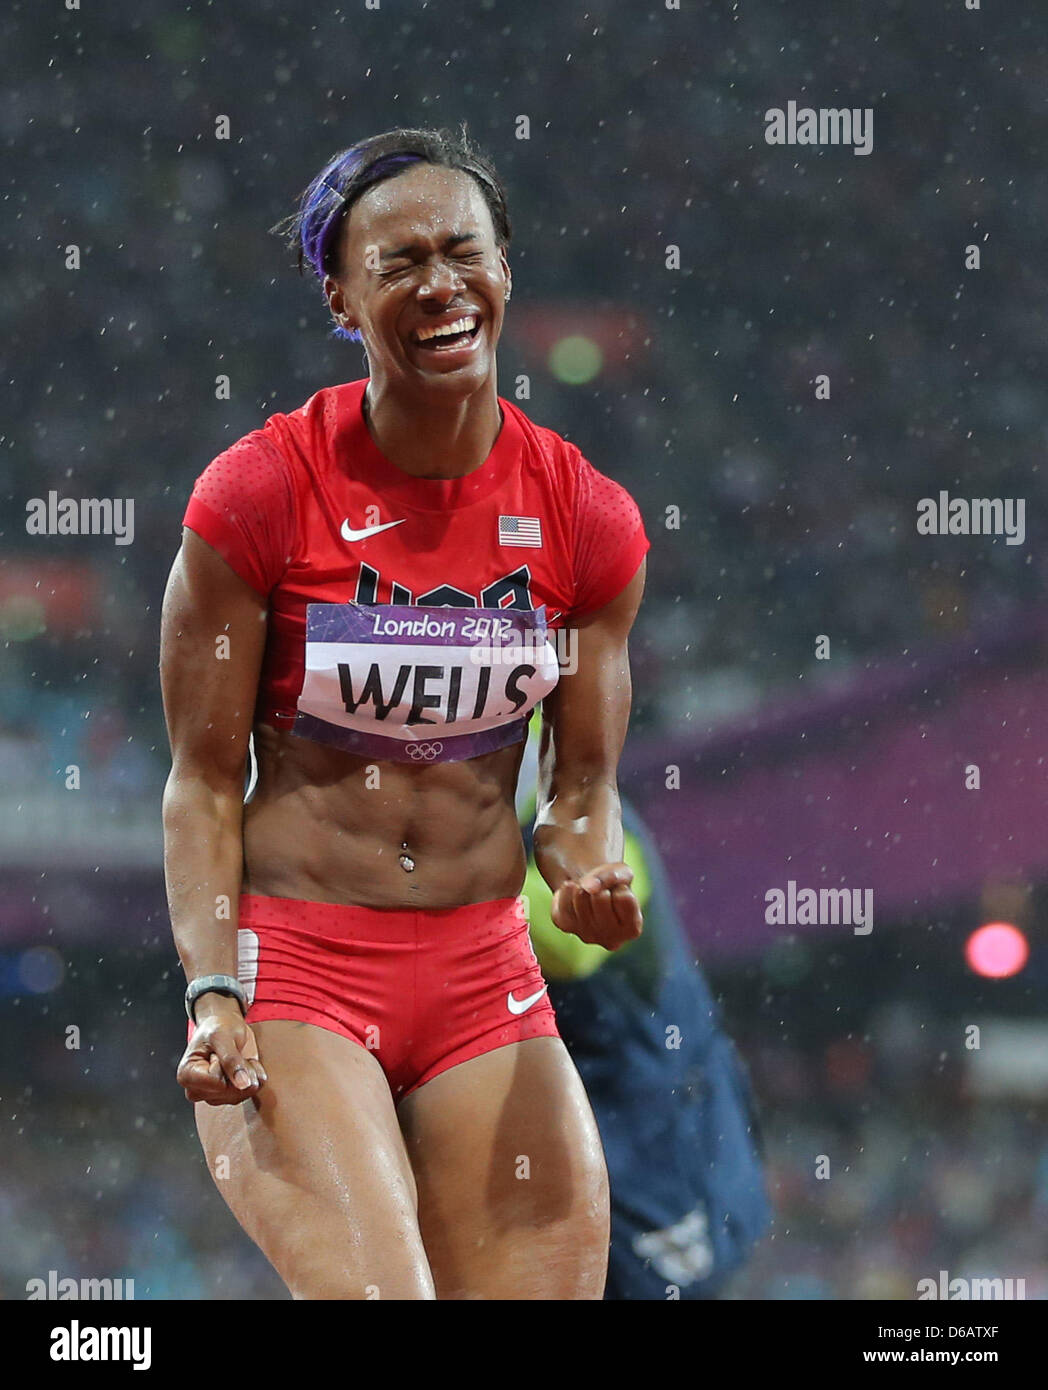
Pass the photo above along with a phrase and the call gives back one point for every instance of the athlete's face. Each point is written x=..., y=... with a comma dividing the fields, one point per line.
x=418, y=253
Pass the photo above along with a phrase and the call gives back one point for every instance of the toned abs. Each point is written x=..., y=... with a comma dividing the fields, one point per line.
x=317, y=827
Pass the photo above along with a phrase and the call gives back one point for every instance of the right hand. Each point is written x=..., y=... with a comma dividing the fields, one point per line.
x=221, y=1065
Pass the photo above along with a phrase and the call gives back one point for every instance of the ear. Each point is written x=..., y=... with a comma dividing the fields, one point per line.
x=337, y=304
x=333, y=295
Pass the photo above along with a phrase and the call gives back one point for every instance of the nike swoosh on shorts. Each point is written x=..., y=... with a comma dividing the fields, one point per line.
x=521, y=1006
x=348, y=534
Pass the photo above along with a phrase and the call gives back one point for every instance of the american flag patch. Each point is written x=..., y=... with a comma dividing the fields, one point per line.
x=520, y=530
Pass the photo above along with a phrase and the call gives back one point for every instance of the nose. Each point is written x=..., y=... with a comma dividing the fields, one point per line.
x=440, y=281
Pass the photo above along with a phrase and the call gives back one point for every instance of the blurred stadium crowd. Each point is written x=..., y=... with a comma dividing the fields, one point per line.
x=797, y=515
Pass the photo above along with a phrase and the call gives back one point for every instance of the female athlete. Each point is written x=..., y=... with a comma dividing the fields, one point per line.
x=373, y=593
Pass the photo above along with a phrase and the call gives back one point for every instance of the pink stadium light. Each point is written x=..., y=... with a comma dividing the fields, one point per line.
x=997, y=950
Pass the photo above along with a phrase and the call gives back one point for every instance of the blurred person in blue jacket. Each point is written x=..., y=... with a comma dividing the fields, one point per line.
x=671, y=1096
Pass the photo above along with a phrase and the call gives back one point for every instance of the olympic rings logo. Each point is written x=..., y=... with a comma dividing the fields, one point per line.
x=424, y=752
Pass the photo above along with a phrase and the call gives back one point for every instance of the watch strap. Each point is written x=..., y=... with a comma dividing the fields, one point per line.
x=216, y=984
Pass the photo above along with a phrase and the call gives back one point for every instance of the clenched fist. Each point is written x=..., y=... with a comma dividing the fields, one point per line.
x=599, y=907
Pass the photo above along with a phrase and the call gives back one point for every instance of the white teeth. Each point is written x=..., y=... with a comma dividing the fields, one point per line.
x=465, y=325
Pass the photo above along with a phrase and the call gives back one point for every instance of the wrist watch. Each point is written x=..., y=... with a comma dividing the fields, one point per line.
x=216, y=984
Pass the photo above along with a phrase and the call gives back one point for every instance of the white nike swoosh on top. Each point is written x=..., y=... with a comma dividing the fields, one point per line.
x=348, y=534
x=521, y=1006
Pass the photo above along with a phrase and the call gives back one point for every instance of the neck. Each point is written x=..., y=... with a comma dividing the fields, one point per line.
x=438, y=439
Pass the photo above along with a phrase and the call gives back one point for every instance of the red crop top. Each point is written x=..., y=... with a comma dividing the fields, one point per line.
x=308, y=512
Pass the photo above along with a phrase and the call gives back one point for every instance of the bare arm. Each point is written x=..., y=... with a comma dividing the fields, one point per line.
x=578, y=828
x=213, y=632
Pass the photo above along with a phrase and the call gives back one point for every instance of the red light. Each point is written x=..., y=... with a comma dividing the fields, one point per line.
x=997, y=950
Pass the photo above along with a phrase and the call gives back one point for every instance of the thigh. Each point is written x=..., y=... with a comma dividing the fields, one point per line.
x=315, y=1169
x=512, y=1186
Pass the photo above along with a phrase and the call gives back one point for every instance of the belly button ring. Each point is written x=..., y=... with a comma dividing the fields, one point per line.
x=406, y=861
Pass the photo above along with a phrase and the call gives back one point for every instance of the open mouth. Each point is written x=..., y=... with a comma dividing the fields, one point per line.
x=450, y=336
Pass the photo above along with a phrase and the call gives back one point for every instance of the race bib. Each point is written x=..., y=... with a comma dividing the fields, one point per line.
x=404, y=683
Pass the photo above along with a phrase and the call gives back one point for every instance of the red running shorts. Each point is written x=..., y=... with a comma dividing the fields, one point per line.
x=422, y=990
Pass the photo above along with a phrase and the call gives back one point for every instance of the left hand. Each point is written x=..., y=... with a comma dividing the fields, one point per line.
x=599, y=907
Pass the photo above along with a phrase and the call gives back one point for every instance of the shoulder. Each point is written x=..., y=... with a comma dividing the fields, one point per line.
x=563, y=462
x=250, y=466
x=272, y=459
x=320, y=418
x=604, y=505
x=246, y=503
x=607, y=537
